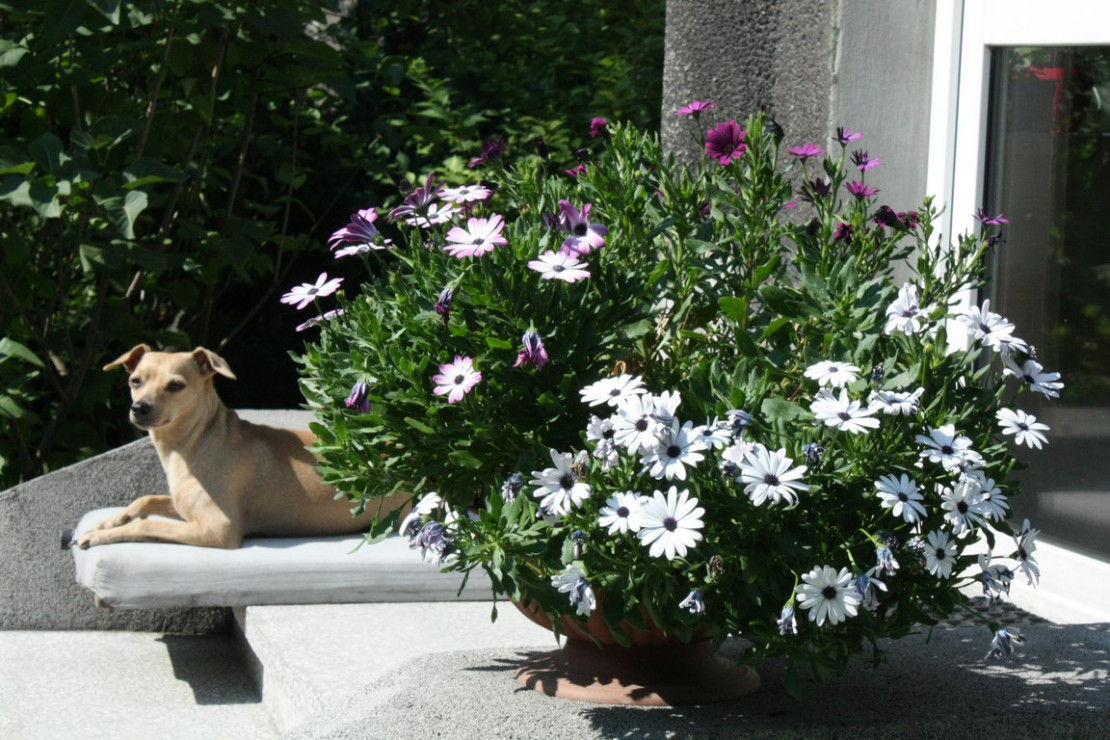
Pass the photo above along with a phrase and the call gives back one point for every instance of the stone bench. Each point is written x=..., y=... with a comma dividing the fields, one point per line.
x=264, y=571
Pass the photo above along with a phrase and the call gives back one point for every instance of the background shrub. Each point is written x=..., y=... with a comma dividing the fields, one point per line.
x=168, y=168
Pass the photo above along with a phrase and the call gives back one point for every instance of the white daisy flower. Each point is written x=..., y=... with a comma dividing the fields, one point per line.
x=994, y=504
x=466, y=194
x=621, y=513
x=894, y=403
x=995, y=578
x=664, y=407
x=693, y=603
x=1025, y=427
x=946, y=447
x=669, y=524
x=559, y=266
x=832, y=374
x=827, y=594
x=843, y=414
x=963, y=505
x=305, y=293
x=676, y=449
x=940, y=554
x=634, y=427
x=734, y=455
x=768, y=475
x=433, y=215
x=1033, y=375
x=599, y=429
x=1003, y=642
x=573, y=583
x=868, y=587
x=1026, y=546
x=714, y=435
x=414, y=519
x=989, y=329
x=559, y=487
x=612, y=390
x=901, y=496
x=906, y=314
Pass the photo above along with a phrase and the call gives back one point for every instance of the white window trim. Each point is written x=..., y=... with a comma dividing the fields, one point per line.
x=965, y=32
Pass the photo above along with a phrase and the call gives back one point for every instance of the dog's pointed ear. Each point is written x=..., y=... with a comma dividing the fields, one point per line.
x=211, y=363
x=129, y=359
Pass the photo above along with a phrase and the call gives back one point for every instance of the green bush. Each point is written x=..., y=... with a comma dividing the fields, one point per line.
x=164, y=165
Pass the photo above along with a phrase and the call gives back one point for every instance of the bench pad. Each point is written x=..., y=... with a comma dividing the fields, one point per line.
x=265, y=570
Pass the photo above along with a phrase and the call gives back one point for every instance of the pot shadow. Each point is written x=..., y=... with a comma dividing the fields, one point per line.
x=1055, y=687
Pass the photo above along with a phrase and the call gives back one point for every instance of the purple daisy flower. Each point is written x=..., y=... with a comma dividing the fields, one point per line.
x=863, y=161
x=861, y=190
x=481, y=235
x=845, y=135
x=359, y=400
x=599, y=127
x=443, y=305
x=491, y=150
x=986, y=219
x=533, y=353
x=585, y=237
x=360, y=233
x=725, y=142
x=805, y=151
x=695, y=108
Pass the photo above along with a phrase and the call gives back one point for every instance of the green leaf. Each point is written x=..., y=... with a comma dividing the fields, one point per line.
x=464, y=459
x=123, y=213
x=734, y=308
x=10, y=348
x=419, y=426
x=9, y=409
x=147, y=171
x=780, y=408
x=11, y=53
x=48, y=152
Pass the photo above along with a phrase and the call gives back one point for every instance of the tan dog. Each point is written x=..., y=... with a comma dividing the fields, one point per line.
x=228, y=478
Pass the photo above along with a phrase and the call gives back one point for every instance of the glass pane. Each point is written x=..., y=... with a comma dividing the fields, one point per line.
x=1049, y=172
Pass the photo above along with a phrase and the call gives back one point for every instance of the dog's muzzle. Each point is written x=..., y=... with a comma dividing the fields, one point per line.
x=140, y=413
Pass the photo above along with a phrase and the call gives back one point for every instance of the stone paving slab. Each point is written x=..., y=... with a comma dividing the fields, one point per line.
x=127, y=686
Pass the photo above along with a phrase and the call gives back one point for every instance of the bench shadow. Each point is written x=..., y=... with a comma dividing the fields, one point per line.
x=214, y=667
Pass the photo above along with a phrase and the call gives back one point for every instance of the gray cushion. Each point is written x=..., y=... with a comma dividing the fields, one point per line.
x=265, y=570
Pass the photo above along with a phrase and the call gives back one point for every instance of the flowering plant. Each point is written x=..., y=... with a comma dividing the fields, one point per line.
x=674, y=394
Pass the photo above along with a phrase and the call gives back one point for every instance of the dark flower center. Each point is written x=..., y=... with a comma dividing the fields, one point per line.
x=845, y=416
x=567, y=481
x=674, y=451
x=642, y=425
x=670, y=524
x=829, y=592
x=903, y=497
x=1028, y=379
x=984, y=328
x=962, y=507
x=1023, y=427
x=771, y=479
x=615, y=392
x=580, y=230
x=947, y=449
x=459, y=379
x=941, y=554
x=558, y=268
x=623, y=511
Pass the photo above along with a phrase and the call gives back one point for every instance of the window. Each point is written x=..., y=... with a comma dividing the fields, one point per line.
x=1020, y=124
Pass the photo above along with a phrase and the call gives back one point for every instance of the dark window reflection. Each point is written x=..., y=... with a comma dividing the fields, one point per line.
x=1049, y=172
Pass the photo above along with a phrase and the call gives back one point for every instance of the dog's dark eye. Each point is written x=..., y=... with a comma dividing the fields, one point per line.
x=136, y=382
x=174, y=386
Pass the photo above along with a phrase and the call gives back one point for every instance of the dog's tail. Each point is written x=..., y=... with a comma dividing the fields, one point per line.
x=68, y=539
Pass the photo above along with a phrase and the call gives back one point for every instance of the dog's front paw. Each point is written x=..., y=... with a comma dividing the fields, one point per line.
x=85, y=541
x=112, y=522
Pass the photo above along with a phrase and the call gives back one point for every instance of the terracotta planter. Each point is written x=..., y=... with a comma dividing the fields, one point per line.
x=657, y=670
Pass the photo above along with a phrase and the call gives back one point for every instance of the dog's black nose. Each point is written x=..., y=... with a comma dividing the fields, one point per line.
x=139, y=409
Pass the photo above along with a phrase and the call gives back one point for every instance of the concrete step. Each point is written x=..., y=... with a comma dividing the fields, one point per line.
x=308, y=660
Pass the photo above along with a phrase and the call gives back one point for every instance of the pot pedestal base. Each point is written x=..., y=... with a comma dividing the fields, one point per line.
x=663, y=675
